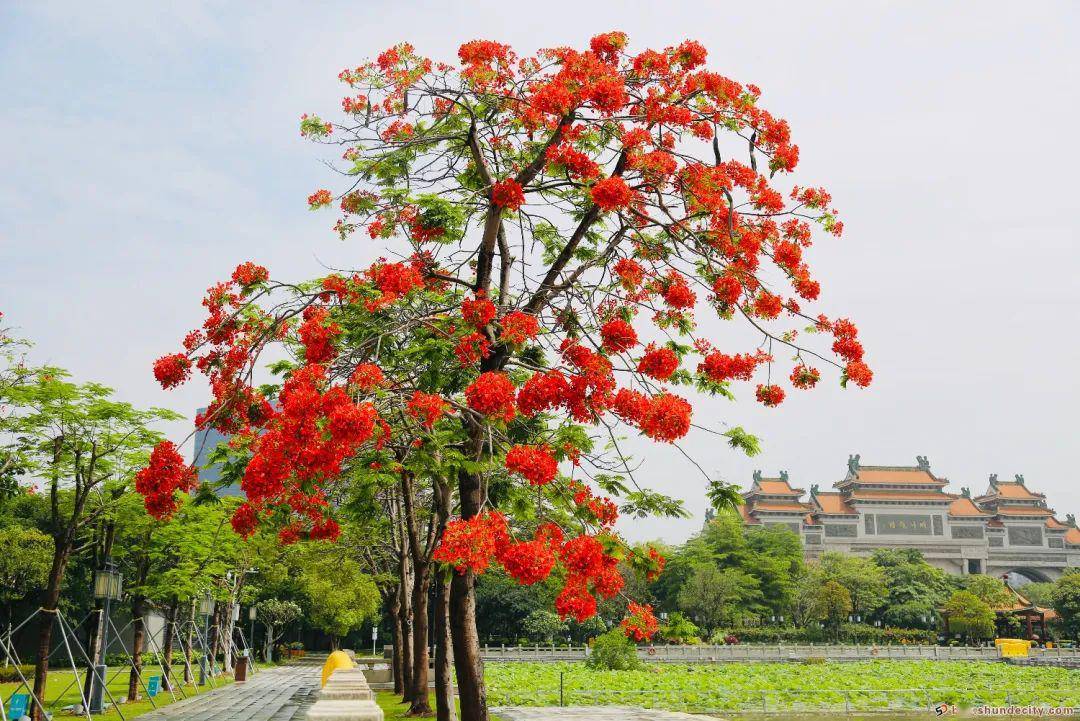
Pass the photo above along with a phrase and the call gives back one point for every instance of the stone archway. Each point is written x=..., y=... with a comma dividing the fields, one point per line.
x=1020, y=576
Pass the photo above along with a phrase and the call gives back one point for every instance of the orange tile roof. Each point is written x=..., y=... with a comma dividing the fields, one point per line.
x=1073, y=536
x=995, y=523
x=1023, y=511
x=833, y=503
x=1054, y=523
x=1015, y=490
x=897, y=475
x=777, y=506
x=899, y=495
x=808, y=519
x=777, y=488
x=744, y=511
x=964, y=507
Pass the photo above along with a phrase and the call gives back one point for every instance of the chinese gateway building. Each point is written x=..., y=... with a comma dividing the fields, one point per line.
x=1006, y=530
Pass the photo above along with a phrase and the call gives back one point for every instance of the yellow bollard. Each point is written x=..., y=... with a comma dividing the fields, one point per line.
x=337, y=660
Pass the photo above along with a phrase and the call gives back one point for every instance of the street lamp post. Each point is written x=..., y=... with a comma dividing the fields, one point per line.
x=206, y=608
x=252, y=613
x=108, y=587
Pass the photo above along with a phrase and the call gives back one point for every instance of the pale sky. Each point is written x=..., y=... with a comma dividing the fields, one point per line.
x=148, y=149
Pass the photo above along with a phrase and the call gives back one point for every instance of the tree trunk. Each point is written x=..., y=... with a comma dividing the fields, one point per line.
x=444, y=688
x=468, y=664
x=138, y=640
x=397, y=657
x=48, y=617
x=421, y=705
x=167, y=648
x=190, y=633
x=406, y=639
x=227, y=639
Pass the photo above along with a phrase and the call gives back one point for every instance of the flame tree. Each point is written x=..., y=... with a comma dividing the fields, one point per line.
x=543, y=218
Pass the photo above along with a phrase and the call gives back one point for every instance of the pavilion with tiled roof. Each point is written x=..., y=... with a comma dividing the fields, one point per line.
x=1005, y=530
x=773, y=501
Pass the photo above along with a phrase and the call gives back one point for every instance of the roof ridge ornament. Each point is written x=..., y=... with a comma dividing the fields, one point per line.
x=1020, y=478
x=784, y=476
x=757, y=476
x=1070, y=519
x=853, y=463
x=993, y=479
x=965, y=492
x=924, y=464
x=814, y=489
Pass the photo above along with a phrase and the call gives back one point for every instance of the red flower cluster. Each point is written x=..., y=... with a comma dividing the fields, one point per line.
x=172, y=370
x=667, y=418
x=658, y=363
x=618, y=336
x=307, y=439
x=770, y=395
x=542, y=392
x=427, y=408
x=394, y=280
x=630, y=273
x=165, y=475
x=611, y=194
x=720, y=367
x=492, y=394
x=317, y=335
x=727, y=289
x=534, y=463
x=640, y=623
x=518, y=327
x=677, y=293
x=804, y=377
x=366, y=377
x=471, y=348
x=478, y=311
x=320, y=199
x=248, y=274
x=471, y=544
x=507, y=194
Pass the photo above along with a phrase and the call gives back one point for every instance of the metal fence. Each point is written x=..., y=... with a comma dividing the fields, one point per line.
x=778, y=652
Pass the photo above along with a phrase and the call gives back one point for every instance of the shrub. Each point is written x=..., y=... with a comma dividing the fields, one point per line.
x=613, y=651
x=680, y=630
x=10, y=674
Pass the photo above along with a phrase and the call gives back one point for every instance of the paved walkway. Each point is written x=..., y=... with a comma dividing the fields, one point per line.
x=283, y=693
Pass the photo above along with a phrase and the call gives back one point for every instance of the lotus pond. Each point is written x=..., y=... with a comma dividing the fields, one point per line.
x=770, y=687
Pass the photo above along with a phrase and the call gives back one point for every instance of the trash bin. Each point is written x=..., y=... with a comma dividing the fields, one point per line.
x=240, y=673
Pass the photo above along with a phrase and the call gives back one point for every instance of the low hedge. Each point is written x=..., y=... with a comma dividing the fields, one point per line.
x=10, y=674
x=849, y=633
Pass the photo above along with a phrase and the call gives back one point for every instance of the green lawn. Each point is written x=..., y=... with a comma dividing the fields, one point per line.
x=858, y=686
x=62, y=691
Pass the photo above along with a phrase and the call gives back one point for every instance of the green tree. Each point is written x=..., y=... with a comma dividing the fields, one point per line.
x=1065, y=599
x=340, y=595
x=543, y=625
x=721, y=597
x=864, y=580
x=83, y=447
x=1038, y=592
x=24, y=564
x=990, y=590
x=679, y=629
x=915, y=589
x=831, y=605
x=613, y=651
x=970, y=616
x=275, y=615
